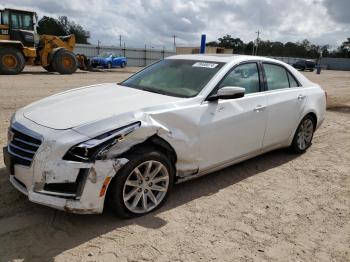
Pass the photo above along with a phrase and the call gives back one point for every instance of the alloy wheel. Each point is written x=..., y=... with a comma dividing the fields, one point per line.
x=146, y=186
x=305, y=134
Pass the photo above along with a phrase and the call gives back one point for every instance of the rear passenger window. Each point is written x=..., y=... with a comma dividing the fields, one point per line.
x=292, y=82
x=245, y=75
x=276, y=77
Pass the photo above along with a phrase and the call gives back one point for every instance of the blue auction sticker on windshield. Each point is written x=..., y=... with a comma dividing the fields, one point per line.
x=206, y=65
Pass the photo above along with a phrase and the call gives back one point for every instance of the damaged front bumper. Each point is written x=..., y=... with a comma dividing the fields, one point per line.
x=39, y=171
x=85, y=196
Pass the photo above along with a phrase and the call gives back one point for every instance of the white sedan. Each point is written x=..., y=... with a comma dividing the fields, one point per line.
x=180, y=118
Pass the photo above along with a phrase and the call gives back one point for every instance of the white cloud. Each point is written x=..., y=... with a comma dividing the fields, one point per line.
x=154, y=22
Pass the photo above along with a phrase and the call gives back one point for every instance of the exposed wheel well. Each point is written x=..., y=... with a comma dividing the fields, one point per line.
x=16, y=46
x=159, y=144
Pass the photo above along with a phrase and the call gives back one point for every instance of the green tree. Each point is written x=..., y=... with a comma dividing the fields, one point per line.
x=325, y=51
x=303, y=49
x=344, y=49
x=62, y=26
x=50, y=26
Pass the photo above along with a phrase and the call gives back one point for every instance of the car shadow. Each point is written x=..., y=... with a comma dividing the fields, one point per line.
x=48, y=73
x=94, y=70
x=52, y=232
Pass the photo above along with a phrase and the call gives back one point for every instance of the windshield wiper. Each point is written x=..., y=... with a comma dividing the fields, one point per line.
x=152, y=90
x=157, y=91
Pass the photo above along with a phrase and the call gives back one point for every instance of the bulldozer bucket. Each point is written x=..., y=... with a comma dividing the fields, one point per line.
x=84, y=62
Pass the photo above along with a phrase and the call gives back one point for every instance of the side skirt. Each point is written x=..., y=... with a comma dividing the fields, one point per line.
x=227, y=164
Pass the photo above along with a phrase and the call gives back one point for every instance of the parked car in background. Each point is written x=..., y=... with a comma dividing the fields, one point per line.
x=109, y=60
x=177, y=119
x=304, y=65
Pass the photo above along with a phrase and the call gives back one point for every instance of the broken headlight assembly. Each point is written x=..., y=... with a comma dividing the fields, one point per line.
x=95, y=148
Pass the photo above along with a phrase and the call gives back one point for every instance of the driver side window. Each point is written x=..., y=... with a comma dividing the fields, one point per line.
x=245, y=75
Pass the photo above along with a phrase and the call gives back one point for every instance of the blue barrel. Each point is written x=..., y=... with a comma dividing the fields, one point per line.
x=203, y=40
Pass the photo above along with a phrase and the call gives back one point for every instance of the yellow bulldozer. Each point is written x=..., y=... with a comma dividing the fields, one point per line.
x=20, y=45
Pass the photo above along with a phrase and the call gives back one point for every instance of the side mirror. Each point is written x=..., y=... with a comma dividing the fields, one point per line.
x=228, y=92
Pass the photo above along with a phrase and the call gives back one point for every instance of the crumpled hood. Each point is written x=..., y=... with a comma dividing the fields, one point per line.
x=93, y=103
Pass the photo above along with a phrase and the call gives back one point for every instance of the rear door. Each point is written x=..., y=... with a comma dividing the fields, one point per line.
x=285, y=100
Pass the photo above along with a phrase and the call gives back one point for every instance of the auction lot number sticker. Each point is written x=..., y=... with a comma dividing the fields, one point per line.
x=206, y=65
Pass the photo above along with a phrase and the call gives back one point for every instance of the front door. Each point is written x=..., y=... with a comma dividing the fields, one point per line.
x=233, y=128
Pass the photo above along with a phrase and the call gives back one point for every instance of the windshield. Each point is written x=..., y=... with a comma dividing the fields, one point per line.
x=174, y=77
x=105, y=55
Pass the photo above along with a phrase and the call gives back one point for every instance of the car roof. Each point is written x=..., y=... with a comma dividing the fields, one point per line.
x=223, y=58
x=235, y=59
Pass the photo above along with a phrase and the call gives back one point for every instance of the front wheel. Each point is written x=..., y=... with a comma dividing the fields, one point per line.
x=142, y=185
x=65, y=62
x=303, y=135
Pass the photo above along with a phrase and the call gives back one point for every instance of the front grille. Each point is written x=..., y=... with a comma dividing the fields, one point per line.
x=23, y=147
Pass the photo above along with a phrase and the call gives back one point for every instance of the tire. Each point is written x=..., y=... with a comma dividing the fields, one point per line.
x=12, y=61
x=65, y=62
x=302, y=139
x=109, y=65
x=123, y=65
x=303, y=69
x=130, y=187
x=49, y=68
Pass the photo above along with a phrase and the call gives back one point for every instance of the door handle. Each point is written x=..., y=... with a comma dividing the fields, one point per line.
x=259, y=108
x=301, y=97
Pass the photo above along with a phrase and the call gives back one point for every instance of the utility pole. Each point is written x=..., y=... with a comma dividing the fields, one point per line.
x=98, y=47
x=174, y=36
x=120, y=40
x=257, y=42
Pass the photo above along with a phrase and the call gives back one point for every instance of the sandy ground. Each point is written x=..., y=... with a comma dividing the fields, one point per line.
x=276, y=207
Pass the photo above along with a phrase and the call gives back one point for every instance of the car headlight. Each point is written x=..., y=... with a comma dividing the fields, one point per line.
x=95, y=148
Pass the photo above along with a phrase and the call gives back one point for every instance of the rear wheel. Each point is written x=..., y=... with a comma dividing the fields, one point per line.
x=109, y=65
x=123, y=65
x=65, y=62
x=142, y=185
x=303, y=135
x=11, y=61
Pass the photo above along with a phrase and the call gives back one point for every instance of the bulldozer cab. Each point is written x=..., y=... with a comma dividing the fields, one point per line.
x=18, y=25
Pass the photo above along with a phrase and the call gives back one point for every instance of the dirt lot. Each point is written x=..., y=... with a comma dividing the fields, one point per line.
x=276, y=207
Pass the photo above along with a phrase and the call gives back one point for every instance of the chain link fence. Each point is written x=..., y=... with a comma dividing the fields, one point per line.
x=135, y=56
